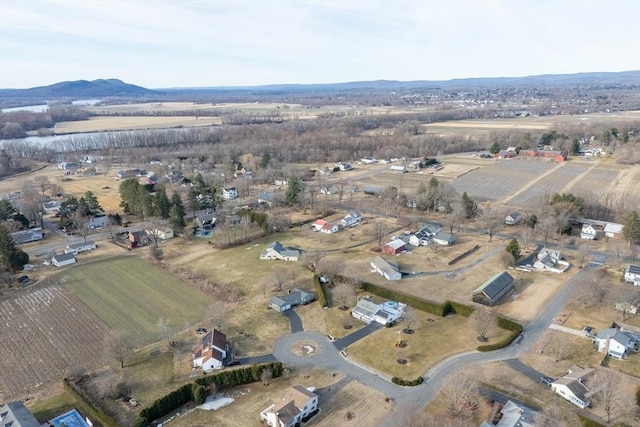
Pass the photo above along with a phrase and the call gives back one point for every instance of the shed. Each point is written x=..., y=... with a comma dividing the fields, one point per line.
x=611, y=229
x=444, y=239
x=513, y=218
x=394, y=247
x=60, y=260
x=387, y=269
x=493, y=289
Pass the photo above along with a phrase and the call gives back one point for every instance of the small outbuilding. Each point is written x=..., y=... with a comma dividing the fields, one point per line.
x=61, y=260
x=394, y=247
x=632, y=274
x=513, y=218
x=387, y=269
x=493, y=289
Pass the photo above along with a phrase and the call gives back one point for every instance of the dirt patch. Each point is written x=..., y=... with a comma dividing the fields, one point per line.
x=306, y=348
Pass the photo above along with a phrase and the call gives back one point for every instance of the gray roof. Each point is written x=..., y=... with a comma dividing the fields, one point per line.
x=206, y=218
x=15, y=414
x=366, y=307
x=387, y=266
x=617, y=335
x=81, y=244
x=514, y=415
x=633, y=269
x=294, y=297
x=64, y=257
x=444, y=236
x=495, y=285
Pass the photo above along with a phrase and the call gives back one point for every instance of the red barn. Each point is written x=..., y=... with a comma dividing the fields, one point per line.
x=394, y=247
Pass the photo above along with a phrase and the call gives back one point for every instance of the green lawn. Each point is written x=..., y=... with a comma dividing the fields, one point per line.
x=130, y=295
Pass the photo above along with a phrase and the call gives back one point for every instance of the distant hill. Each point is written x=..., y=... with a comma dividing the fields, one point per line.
x=80, y=89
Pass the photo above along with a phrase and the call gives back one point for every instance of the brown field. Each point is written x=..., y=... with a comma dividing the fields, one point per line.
x=365, y=404
x=106, y=123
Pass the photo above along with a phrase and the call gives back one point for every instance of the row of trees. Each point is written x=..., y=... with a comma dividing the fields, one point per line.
x=136, y=199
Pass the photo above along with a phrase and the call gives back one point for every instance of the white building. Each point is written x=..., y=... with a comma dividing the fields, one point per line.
x=369, y=311
x=612, y=229
x=212, y=352
x=297, y=406
x=387, y=269
x=229, y=193
x=588, y=232
x=632, y=274
x=60, y=260
x=574, y=386
x=26, y=236
x=352, y=219
x=76, y=248
x=615, y=343
x=275, y=251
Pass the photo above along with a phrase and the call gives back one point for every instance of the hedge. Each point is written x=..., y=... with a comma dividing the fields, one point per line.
x=322, y=296
x=87, y=405
x=510, y=325
x=586, y=422
x=461, y=309
x=240, y=376
x=408, y=383
x=464, y=254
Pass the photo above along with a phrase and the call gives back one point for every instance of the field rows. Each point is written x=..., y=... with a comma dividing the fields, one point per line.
x=45, y=334
x=596, y=182
x=550, y=184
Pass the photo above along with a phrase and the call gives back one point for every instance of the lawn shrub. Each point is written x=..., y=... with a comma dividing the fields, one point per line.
x=407, y=383
x=322, y=296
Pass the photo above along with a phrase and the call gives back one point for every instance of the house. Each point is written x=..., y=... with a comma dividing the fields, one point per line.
x=297, y=406
x=278, y=252
x=98, y=222
x=352, y=219
x=514, y=415
x=394, y=247
x=130, y=173
x=513, y=218
x=328, y=190
x=325, y=172
x=369, y=311
x=162, y=233
x=632, y=274
x=60, y=260
x=631, y=306
x=387, y=269
x=444, y=239
x=365, y=310
x=343, y=166
x=615, y=343
x=397, y=168
x=68, y=165
x=206, y=221
x=213, y=351
x=325, y=227
x=427, y=231
x=137, y=239
x=589, y=232
x=26, y=236
x=281, y=182
x=550, y=260
x=266, y=198
x=574, y=386
x=293, y=298
x=612, y=229
x=493, y=289
x=15, y=414
x=52, y=206
x=229, y=193
x=76, y=248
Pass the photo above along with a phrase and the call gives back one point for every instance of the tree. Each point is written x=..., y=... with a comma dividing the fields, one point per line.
x=483, y=322
x=264, y=161
x=513, y=248
x=353, y=282
x=559, y=346
x=589, y=294
x=265, y=376
x=379, y=231
x=12, y=258
x=89, y=204
x=491, y=221
x=117, y=347
x=176, y=218
x=7, y=210
x=42, y=182
x=332, y=268
x=294, y=190
x=279, y=277
x=631, y=228
x=495, y=148
x=80, y=223
x=460, y=397
x=161, y=203
x=342, y=294
x=193, y=201
x=410, y=317
x=311, y=260
x=610, y=396
x=626, y=299
x=582, y=253
x=470, y=206
x=216, y=314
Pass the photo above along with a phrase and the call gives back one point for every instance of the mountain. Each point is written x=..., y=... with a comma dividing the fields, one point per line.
x=80, y=89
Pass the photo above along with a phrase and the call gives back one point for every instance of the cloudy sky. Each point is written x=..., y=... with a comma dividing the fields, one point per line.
x=179, y=43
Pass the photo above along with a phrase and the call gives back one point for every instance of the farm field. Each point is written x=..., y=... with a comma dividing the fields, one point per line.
x=130, y=296
x=46, y=332
x=548, y=185
x=596, y=182
x=107, y=123
x=498, y=179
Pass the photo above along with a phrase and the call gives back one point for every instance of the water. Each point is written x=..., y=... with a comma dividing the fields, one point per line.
x=31, y=108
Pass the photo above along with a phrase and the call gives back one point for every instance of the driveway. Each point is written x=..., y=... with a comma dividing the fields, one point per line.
x=571, y=331
x=265, y=358
x=527, y=370
x=345, y=342
x=294, y=321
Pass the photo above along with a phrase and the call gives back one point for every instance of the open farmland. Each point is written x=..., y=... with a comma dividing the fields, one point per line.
x=596, y=182
x=131, y=295
x=549, y=184
x=45, y=334
x=105, y=123
x=498, y=179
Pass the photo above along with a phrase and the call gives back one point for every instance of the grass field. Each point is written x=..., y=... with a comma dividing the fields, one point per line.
x=425, y=347
x=130, y=295
x=97, y=124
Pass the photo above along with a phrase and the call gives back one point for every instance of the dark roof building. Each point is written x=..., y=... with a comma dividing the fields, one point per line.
x=15, y=414
x=493, y=289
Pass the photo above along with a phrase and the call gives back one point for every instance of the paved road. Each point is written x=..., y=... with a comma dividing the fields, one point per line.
x=345, y=342
x=294, y=321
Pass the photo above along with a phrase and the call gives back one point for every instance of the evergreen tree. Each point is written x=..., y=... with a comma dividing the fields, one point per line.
x=176, y=218
x=470, y=206
x=176, y=200
x=89, y=204
x=6, y=210
x=631, y=228
x=161, y=204
x=193, y=202
x=12, y=258
x=495, y=148
x=513, y=248
x=264, y=162
x=294, y=190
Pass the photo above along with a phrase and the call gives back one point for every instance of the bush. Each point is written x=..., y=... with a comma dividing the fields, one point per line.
x=199, y=394
x=322, y=296
x=461, y=309
x=638, y=396
x=407, y=383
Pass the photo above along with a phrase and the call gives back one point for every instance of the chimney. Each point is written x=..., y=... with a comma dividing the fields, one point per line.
x=605, y=350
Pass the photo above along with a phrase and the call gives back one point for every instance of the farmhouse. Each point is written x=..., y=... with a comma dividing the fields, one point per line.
x=550, y=260
x=513, y=218
x=76, y=248
x=297, y=406
x=229, y=193
x=612, y=229
x=387, y=269
x=278, y=252
x=212, y=353
x=325, y=227
x=293, y=298
x=444, y=239
x=26, y=236
x=632, y=274
x=574, y=386
x=589, y=232
x=206, y=221
x=394, y=247
x=68, y=165
x=15, y=414
x=137, y=239
x=493, y=289
x=369, y=311
x=352, y=219
x=615, y=343
x=60, y=260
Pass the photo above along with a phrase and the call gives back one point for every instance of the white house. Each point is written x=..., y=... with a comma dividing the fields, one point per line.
x=513, y=218
x=550, y=260
x=60, y=260
x=588, y=232
x=52, y=206
x=615, y=343
x=293, y=298
x=612, y=229
x=229, y=193
x=387, y=269
x=76, y=248
x=365, y=310
x=632, y=274
x=162, y=233
x=514, y=415
x=212, y=352
x=574, y=386
x=325, y=227
x=26, y=236
x=98, y=222
x=352, y=219
x=444, y=239
x=275, y=251
x=369, y=311
x=397, y=168
x=297, y=406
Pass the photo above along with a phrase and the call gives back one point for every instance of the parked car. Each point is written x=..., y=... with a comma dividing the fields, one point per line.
x=546, y=380
x=23, y=279
x=589, y=331
x=201, y=331
x=234, y=362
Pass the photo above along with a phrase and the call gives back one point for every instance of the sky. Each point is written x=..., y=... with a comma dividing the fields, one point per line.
x=181, y=43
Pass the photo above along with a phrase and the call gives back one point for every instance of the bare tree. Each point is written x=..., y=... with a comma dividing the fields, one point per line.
x=582, y=253
x=117, y=347
x=279, y=276
x=617, y=248
x=342, y=294
x=165, y=328
x=490, y=218
x=332, y=267
x=559, y=346
x=32, y=208
x=410, y=317
x=553, y=415
x=546, y=227
x=42, y=182
x=483, y=322
x=609, y=395
x=353, y=282
x=81, y=223
x=216, y=314
x=265, y=376
x=626, y=300
x=590, y=293
x=460, y=397
x=311, y=260
x=379, y=231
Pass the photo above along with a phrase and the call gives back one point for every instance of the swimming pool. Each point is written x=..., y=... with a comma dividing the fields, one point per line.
x=69, y=419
